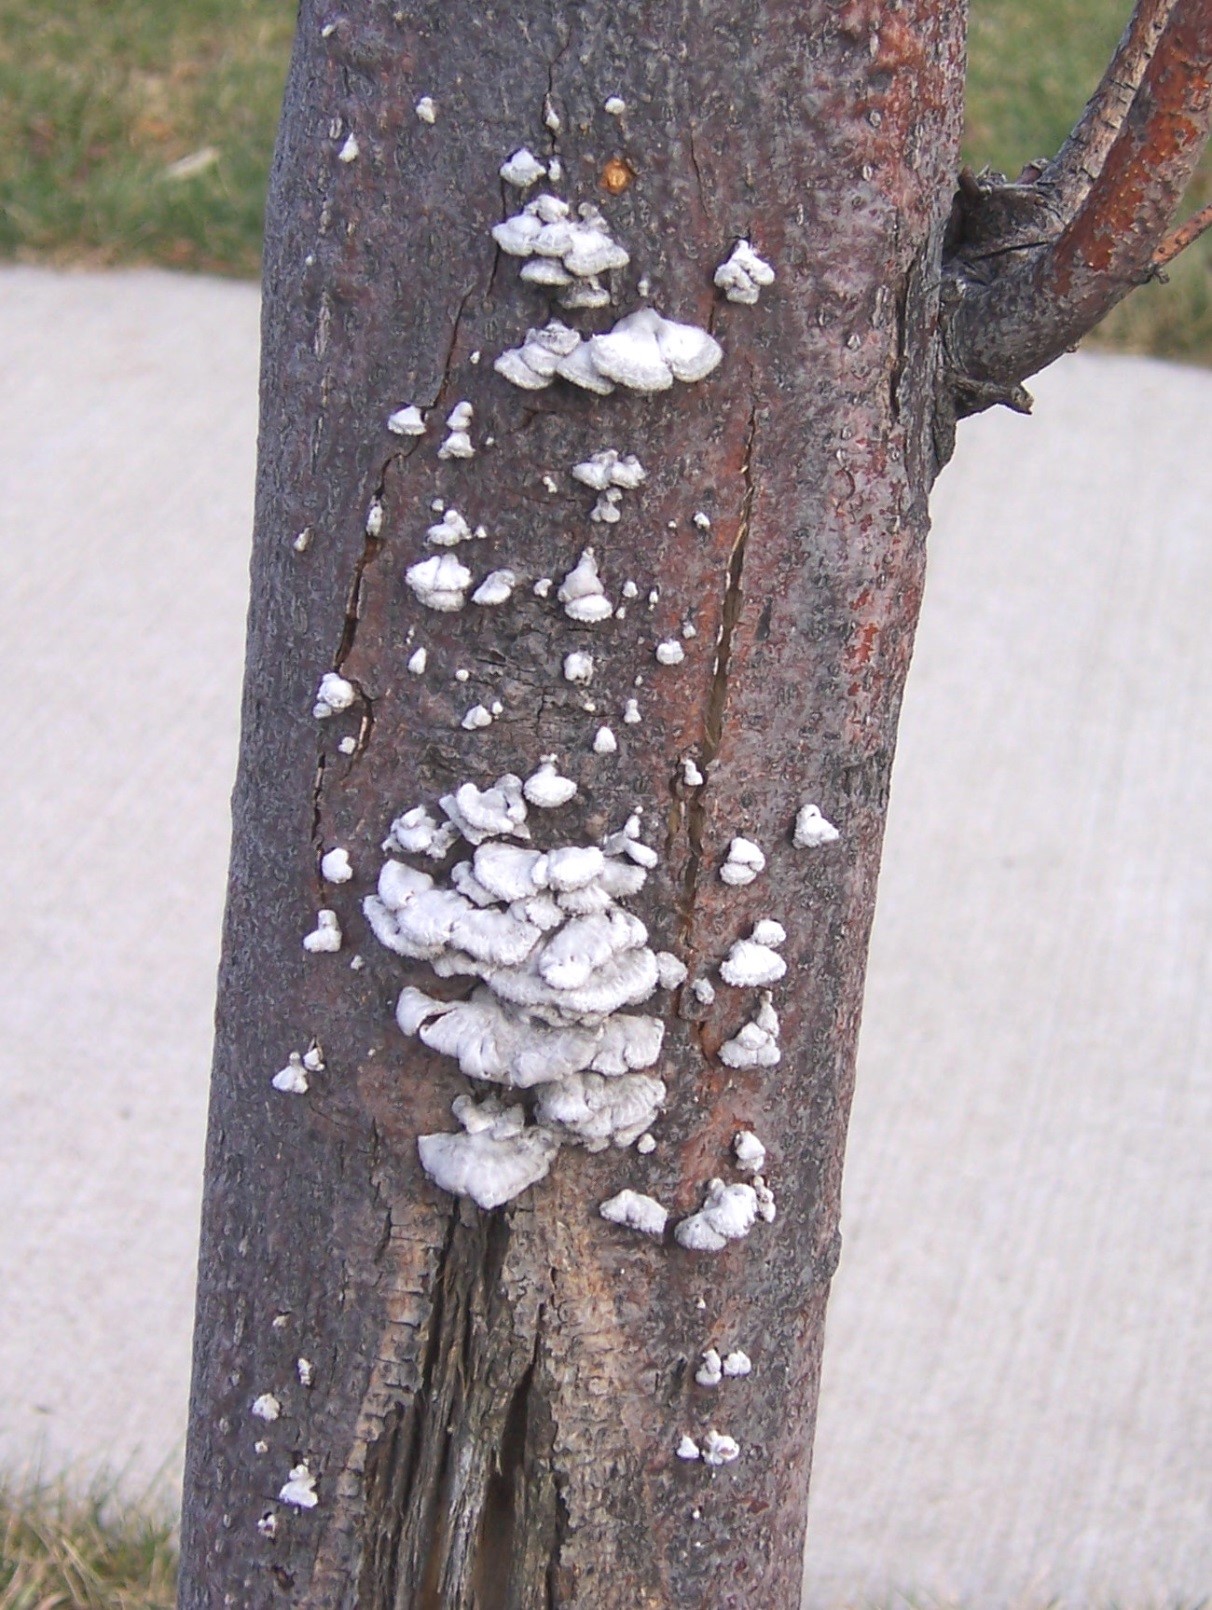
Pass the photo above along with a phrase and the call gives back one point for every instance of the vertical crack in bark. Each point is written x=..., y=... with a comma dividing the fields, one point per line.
x=317, y=789
x=717, y=702
x=698, y=175
x=448, y=362
x=901, y=317
x=353, y=599
x=493, y=1568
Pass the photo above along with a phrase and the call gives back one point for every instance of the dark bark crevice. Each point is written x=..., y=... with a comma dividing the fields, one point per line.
x=695, y=808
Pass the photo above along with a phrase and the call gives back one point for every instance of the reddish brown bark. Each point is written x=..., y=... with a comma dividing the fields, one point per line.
x=492, y=1402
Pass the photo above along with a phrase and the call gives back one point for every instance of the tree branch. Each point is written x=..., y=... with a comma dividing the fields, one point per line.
x=1007, y=314
x=1080, y=160
x=1184, y=237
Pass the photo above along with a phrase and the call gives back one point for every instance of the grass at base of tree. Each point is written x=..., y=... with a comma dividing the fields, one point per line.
x=64, y=1552
x=140, y=131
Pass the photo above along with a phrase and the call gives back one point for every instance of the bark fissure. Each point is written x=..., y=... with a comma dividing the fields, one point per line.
x=317, y=806
x=500, y=1515
x=717, y=700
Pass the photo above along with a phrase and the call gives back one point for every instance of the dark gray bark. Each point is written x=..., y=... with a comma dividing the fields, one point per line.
x=494, y=1400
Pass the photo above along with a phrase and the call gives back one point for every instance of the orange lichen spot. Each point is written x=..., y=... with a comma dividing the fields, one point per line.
x=617, y=175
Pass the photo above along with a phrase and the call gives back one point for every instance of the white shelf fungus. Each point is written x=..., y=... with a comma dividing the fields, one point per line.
x=406, y=421
x=374, y=518
x=719, y=1449
x=812, y=830
x=458, y=442
x=749, y=1152
x=606, y=510
x=558, y=962
x=688, y=1449
x=645, y=1145
x=605, y=742
x=691, y=775
x=765, y=1199
x=582, y=594
x=583, y=294
x=754, y=963
x=268, y=1524
x=615, y=105
x=644, y=352
x=573, y=248
x=451, y=529
x=349, y=151
x=704, y=991
x=598, y=1111
x=607, y=469
x=636, y=1212
x=292, y=1079
x=426, y=109
x=266, y=1407
x=743, y=275
x=333, y=695
x=496, y=588
x=522, y=169
x=737, y=1364
x=728, y=1214
x=326, y=936
x=670, y=652
x=533, y=365
x=491, y=1165
x=477, y=717
x=756, y=1045
x=744, y=861
x=546, y=789
x=670, y=970
x=418, y=660
x=631, y=713
x=578, y=667
x=440, y=583
x=306, y=1371
x=416, y=833
x=647, y=352
x=335, y=867
x=710, y=1372
x=496, y=812
x=300, y=1489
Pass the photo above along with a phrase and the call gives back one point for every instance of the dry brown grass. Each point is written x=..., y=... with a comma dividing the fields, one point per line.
x=59, y=1551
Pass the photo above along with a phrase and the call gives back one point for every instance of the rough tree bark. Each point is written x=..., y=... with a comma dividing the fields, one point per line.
x=488, y=1405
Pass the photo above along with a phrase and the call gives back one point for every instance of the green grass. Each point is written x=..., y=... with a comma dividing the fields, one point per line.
x=59, y=1552
x=99, y=98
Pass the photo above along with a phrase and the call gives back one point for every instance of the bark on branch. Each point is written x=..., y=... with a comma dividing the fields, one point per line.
x=1034, y=265
x=1080, y=160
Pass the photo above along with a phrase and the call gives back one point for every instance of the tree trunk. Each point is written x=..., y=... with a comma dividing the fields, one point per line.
x=461, y=1407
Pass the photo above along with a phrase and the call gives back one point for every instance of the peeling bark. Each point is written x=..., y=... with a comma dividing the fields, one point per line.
x=494, y=1401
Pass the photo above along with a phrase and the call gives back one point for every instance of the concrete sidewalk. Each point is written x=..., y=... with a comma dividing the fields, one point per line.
x=1014, y=1398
